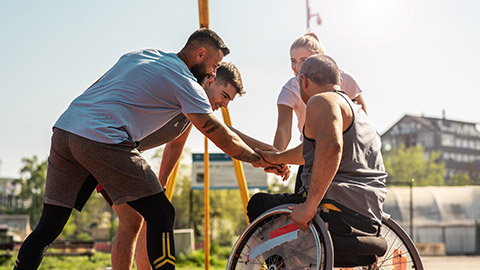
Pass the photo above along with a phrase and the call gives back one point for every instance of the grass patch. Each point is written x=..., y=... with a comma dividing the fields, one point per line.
x=218, y=258
x=98, y=261
x=101, y=260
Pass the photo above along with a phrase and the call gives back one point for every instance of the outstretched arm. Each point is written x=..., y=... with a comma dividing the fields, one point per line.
x=252, y=142
x=225, y=139
x=261, y=146
x=171, y=155
x=283, y=134
x=290, y=156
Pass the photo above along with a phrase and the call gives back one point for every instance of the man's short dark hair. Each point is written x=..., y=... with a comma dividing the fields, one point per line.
x=321, y=69
x=228, y=73
x=205, y=36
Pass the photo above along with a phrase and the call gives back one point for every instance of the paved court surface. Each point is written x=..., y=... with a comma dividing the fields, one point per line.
x=451, y=262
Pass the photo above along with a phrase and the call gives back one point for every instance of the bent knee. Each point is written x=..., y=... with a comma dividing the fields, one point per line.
x=127, y=216
x=256, y=205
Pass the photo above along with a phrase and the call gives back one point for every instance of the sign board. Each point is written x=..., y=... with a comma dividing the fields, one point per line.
x=222, y=173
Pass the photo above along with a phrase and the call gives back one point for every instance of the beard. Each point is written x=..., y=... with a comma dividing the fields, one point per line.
x=199, y=72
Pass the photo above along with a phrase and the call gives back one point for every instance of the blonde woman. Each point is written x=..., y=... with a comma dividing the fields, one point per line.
x=289, y=99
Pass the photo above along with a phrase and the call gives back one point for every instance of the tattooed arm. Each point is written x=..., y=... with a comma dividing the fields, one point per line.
x=252, y=142
x=223, y=137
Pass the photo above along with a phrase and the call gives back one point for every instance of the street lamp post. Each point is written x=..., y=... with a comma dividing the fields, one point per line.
x=411, y=207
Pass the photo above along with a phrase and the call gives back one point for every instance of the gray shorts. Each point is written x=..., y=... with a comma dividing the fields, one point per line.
x=76, y=164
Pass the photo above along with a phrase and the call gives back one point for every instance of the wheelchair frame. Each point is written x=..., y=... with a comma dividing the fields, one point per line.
x=401, y=254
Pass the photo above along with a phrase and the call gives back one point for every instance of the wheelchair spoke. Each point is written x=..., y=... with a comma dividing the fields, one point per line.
x=308, y=248
x=398, y=253
x=298, y=258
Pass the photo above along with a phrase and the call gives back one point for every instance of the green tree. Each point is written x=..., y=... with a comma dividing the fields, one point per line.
x=32, y=182
x=277, y=185
x=461, y=179
x=465, y=175
x=183, y=197
x=406, y=163
x=227, y=216
x=79, y=226
x=96, y=213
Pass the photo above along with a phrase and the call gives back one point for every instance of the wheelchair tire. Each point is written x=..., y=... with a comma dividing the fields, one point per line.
x=256, y=248
x=401, y=252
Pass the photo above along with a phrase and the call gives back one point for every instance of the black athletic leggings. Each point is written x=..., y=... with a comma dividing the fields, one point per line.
x=159, y=214
x=156, y=210
x=49, y=227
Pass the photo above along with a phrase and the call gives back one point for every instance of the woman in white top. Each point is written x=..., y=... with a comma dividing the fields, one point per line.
x=289, y=99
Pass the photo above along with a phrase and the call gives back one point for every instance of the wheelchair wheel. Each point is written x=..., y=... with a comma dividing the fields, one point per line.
x=273, y=242
x=401, y=253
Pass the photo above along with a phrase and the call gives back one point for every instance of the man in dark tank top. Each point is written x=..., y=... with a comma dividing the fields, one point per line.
x=343, y=176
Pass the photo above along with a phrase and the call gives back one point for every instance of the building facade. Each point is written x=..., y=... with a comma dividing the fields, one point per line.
x=457, y=141
x=9, y=195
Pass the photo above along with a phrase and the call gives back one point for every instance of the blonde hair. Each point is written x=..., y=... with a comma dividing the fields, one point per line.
x=309, y=41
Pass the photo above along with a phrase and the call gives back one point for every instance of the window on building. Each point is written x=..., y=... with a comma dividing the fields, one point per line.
x=456, y=128
x=395, y=130
x=458, y=143
x=448, y=140
x=408, y=127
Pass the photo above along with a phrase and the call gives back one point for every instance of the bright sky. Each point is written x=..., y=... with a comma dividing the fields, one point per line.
x=409, y=56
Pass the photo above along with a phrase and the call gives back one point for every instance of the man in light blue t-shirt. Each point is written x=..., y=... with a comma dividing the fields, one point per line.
x=96, y=139
x=130, y=236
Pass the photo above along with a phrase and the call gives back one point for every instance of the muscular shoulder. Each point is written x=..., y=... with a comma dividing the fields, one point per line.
x=326, y=99
x=328, y=109
x=324, y=115
x=327, y=103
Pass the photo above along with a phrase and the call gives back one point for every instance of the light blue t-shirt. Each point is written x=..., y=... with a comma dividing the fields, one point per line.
x=137, y=96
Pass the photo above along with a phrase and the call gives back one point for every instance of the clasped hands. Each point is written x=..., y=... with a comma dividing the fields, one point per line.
x=270, y=166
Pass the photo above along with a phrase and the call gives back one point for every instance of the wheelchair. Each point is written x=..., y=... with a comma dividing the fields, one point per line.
x=273, y=242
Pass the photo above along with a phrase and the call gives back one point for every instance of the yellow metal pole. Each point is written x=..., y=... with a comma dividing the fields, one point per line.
x=237, y=165
x=203, y=13
x=171, y=181
x=206, y=203
x=205, y=22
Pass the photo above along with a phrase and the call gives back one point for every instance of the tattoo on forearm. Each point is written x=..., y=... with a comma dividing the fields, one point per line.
x=247, y=157
x=210, y=126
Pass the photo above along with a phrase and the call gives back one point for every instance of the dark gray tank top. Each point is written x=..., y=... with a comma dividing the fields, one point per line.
x=359, y=183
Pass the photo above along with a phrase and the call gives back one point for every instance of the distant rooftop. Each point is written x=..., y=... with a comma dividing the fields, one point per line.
x=443, y=125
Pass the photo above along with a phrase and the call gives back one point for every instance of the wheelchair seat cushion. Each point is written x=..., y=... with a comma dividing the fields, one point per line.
x=359, y=245
x=357, y=250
